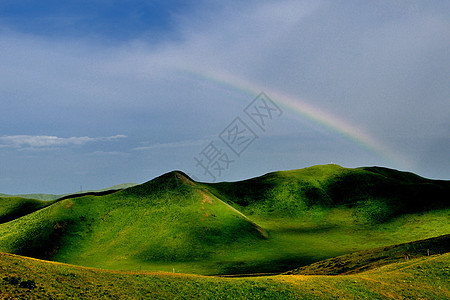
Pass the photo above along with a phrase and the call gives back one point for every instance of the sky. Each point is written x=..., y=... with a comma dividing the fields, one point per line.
x=97, y=93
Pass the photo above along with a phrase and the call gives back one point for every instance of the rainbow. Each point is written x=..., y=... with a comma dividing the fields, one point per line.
x=306, y=111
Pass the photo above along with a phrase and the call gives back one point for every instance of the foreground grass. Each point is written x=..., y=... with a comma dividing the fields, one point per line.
x=25, y=278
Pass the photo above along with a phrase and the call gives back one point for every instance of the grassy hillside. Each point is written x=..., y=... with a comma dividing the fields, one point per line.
x=168, y=221
x=272, y=223
x=25, y=278
x=374, y=258
x=379, y=194
x=14, y=207
x=324, y=211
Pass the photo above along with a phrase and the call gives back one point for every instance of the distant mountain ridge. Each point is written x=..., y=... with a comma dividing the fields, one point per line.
x=49, y=197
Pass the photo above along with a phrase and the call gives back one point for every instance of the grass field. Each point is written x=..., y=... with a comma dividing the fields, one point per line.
x=12, y=208
x=25, y=278
x=273, y=223
x=357, y=262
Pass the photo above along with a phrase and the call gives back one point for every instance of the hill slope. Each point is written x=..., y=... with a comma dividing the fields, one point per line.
x=169, y=219
x=267, y=224
x=374, y=258
x=25, y=278
x=379, y=194
x=15, y=207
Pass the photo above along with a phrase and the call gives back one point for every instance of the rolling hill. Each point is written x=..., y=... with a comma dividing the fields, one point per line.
x=272, y=223
x=15, y=207
x=168, y=219
x=26, y=278
x=358, y=262
x=379, y=194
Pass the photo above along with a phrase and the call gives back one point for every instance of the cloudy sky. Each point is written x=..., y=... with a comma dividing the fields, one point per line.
x=96, y=93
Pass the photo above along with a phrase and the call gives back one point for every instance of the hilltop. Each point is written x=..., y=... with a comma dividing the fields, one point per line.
x=168, y=219
x=379, y=194
x=272, y=223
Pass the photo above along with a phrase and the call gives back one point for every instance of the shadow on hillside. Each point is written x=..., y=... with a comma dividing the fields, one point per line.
x=305, y=229
x=272, y=266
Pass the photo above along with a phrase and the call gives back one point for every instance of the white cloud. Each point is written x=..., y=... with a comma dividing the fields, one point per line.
x=42, y=141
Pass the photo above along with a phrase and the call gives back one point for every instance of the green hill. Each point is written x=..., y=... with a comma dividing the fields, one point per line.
x=271, y=223
x=324, y=211
x=379, y=194
x=169, y=219
x=15, y=207
x=26, y=278
x=375, y=258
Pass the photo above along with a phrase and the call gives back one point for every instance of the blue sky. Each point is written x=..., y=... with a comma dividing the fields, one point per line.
x=96, y=93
